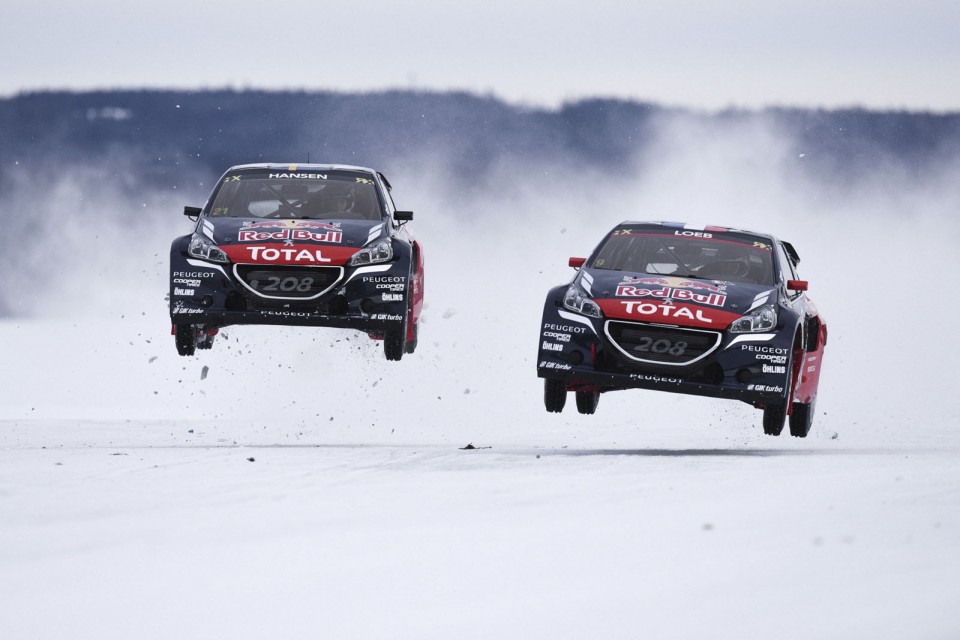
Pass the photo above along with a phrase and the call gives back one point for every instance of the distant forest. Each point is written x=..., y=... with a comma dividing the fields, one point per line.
x=93, y=168
x=160, y=138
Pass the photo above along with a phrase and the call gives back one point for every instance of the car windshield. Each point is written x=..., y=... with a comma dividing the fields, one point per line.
x=277, y=194
x=712, y=256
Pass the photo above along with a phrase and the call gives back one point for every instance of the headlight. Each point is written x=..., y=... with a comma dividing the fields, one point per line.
x=762, y=319
x=379, y=251
x=576, y=299
x=201, y=247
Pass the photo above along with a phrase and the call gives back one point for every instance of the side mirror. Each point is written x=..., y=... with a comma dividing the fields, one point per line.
x=576, y=263
x=191, y=211
x=797, y=285
x=403, y=216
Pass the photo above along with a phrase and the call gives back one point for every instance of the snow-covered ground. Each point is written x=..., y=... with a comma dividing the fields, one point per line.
x=292, y=483
x=121, y=529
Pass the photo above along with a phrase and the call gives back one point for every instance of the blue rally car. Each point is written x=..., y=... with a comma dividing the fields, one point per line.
x=706, y=311
x=308, y=245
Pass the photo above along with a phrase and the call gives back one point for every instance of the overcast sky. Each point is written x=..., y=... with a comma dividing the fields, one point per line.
x=697, y=53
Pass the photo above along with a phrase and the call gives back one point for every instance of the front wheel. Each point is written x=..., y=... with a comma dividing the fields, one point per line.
x=186, y=339
x=394, y=342
x=554, y=394
x=801, y=418
x=403, y=339
x=587, y=401
x=774, y=415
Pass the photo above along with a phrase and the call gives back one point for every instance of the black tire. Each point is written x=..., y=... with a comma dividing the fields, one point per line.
x=205, y=341
x=774, y=415
x=394, y=342
x=412, y=342
x=587, y=401
x=801, y=418
x=186, y=338
x=554, y=394
x=411, y=345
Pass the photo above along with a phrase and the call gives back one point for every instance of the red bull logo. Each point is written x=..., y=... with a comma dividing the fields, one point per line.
x=682, y=295
x=299, y=235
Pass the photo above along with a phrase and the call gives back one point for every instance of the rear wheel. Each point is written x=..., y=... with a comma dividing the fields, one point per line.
x=587, y=401
x=205, y=341
x=554, y=394
x=411, y=345
x=774, y=415
x=801, y=418
x=186, y=338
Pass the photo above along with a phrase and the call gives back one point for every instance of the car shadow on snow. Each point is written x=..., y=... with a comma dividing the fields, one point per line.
x=708, y=453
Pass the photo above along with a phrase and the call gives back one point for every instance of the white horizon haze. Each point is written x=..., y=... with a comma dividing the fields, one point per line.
x=880, y=55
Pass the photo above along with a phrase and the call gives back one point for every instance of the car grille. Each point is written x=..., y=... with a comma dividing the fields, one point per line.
x=288, y=283
x=670, y=346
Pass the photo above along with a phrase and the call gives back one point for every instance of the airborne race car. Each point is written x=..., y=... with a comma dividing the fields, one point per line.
x=706, y=311
x=305, y=245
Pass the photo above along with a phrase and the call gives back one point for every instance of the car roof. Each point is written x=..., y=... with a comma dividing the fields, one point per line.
x=695, y=227
x=789, y=248
x=297, y=166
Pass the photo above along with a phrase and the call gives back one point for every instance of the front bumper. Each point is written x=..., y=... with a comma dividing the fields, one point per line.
x=371, y=298
x=753, y=368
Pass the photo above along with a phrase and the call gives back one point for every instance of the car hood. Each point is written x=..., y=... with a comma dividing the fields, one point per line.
x=692, y=302
x=291, y=241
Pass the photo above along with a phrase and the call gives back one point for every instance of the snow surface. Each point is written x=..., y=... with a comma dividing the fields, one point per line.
x=308, y=488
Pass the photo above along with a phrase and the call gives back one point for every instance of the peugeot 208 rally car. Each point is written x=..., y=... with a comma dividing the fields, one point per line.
x=707, y=311
x=310, y=245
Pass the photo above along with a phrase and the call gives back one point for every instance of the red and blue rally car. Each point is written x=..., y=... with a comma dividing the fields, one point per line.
x=706, y=311
x=309, y=245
